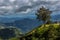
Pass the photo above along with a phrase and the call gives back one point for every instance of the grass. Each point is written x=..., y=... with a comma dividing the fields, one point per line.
x=50, y=30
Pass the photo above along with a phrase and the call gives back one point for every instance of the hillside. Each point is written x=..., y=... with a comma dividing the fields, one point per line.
x=11, y=33
x=47, y=32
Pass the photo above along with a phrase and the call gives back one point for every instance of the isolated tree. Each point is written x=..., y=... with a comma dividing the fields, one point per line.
x=44, y=14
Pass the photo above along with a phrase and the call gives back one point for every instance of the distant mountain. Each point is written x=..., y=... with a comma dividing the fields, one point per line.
x=9, y=19
x=55, y=17
x=25, y=24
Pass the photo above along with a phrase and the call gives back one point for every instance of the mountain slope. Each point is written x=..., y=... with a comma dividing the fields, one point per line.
x=49, y=32
x=9, y=33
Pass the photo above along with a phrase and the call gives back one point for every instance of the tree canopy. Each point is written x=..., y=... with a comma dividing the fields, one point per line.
x=43, y=14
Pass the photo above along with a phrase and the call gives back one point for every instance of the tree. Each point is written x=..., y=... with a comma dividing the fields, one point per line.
x=44, y=14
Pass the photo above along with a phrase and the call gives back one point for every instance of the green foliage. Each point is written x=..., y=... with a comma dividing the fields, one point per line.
x=49, y=32
x=44, y=14
x=33, y=38
x=14, y=38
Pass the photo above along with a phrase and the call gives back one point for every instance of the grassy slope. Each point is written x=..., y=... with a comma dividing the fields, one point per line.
x=42, y=29
x=50, y=30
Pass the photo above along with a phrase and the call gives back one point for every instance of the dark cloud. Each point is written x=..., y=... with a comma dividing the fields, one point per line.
x=30, y=4
x=23, y=8
x=48, y=4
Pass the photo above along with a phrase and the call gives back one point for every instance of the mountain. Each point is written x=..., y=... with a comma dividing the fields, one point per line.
x=9, y=32
x=55, y=17
x=25, y=24
x=9, y=19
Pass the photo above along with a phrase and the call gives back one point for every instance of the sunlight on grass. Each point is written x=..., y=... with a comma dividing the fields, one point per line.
x=14, y=38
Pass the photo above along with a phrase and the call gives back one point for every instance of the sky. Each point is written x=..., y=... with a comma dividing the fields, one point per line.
x=22, y=8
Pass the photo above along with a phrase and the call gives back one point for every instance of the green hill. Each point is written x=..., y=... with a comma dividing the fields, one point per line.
x=47, y=32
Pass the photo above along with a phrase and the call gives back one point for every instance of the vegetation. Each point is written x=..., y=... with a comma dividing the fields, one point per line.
x=11, y=33
x=44, y=14
x=47, y=31
x=50, y=32
x=14, y=38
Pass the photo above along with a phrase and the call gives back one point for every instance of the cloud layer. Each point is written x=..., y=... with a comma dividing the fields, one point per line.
x=26, y=6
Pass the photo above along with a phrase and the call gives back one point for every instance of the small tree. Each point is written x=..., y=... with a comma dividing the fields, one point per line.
x=44, y=14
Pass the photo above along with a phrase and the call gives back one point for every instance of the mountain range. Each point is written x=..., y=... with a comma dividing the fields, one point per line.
x=25, y=24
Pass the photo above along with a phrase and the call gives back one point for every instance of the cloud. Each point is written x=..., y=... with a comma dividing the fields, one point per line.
x=27, y=11
x=12, y=0
x=35, y=3
x=26, y=6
